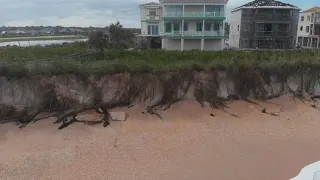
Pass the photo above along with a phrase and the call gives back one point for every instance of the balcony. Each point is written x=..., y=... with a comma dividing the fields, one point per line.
x=150, y=18
x=271, y=16
x=195, y=35
x=194, y=16
x=272, y=33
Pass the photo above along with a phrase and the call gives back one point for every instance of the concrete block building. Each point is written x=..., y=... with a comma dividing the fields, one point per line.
x=264, y=24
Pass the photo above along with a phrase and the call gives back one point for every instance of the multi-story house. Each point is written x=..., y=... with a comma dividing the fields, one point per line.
x=309, y=28
x=193, y=24
x=151, y=15
x=265, y=24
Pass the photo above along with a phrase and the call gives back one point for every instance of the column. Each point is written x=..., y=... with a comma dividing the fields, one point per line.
x=308, y=41
x=311, y=45
x=182, y=44
x=183, y=10
x=202, y=44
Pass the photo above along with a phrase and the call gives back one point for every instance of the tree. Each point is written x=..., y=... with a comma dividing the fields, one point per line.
x=119, y=36
x=99, y=40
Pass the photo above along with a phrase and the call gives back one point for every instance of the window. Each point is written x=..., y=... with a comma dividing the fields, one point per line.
x=216, y=26
x=312, y=17
x=302, y=18
x=307, y=29
x=152, y=12
x=168, y=27
x=153, y=30
x=176, y=26
x=207, y=26
x=199, y=26
x=238, y=28
x=185, y=27
x=245, y=41
x=308, y=18
x=247, y=27
x=301, y=28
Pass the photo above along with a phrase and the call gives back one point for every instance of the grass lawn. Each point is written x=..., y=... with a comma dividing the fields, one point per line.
x=10, y=39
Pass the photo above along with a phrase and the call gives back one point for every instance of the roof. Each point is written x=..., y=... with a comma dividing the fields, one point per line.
x=266, y=4
x=314, y=9
x=150, y=4
x=194, y=1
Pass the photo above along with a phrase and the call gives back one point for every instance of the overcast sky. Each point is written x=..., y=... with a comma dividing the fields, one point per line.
x=88, y=12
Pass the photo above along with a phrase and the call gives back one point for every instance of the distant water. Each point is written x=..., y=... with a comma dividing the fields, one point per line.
x=38, y=42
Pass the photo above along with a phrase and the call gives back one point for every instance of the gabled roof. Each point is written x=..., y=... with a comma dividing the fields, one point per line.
x=314, y=9
x=195, y=1
x=151, y=4
x=266, y=4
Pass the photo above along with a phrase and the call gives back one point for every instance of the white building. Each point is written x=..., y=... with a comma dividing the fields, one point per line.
x=151, y=15
x=186, y=24
x=309, y=28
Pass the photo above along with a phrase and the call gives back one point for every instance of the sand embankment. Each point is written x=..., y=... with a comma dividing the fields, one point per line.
x=187, y=144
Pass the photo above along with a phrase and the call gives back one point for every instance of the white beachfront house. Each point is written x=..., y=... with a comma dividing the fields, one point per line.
x=186, y=24
x=151, y=15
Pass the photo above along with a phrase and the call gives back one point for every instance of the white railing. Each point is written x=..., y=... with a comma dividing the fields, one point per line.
x=152, y=17
x=194, y=14
x=195, y=33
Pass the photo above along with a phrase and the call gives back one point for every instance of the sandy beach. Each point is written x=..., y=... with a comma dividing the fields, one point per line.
x=190, y=143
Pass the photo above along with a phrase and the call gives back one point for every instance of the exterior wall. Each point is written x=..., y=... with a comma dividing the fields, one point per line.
x=304, y=24
x=171, y=44
x=213, y=44
x=234, y=34
x=192, y=44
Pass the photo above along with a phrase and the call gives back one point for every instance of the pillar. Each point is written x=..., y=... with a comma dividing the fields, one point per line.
x=308, y=42
x=182, y=44
x=311, y=44
x=202, y=44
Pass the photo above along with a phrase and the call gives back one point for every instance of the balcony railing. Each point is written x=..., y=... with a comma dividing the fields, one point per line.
x=152, y=17
x=194, y=14
x=272, y=33
x=271, y=16
x=195, y=33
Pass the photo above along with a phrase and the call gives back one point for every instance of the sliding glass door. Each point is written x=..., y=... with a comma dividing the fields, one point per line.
x=153, y=29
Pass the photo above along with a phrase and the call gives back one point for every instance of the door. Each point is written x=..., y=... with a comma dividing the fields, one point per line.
x=153, y=29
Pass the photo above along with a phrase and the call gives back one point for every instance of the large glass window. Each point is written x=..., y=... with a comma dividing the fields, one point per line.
x=153, y=29
x=199, y=26
x=168, y=27
x=176, y=26
x=207, y=26
x=185, y=27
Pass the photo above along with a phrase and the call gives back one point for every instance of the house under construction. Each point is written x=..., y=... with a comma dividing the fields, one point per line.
x=264, y=24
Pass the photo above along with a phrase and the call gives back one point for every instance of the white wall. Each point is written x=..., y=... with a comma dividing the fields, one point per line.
x=192, y=44
x=213, y=44
x=234, y=35
x=171, y=44
x=304, y=24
